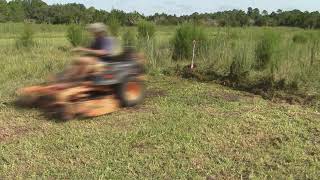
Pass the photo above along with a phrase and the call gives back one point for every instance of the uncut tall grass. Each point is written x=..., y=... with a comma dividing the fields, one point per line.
x=293, y=61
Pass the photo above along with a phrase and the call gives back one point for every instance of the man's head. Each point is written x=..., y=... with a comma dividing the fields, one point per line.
x=97, y=29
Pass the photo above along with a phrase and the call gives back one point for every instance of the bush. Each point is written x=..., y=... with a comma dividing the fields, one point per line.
x=114, y=26
x=265, y=50
x=146, y=30
x=129, y=38
x=26, y=38
x=300, y=38
x=76, y=35
x=183, y=41
x=238, y=69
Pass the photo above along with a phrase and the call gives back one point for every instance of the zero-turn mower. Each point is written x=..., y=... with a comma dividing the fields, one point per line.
x=119, y=84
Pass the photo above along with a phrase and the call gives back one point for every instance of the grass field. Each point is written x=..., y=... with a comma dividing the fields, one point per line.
x=185, y=129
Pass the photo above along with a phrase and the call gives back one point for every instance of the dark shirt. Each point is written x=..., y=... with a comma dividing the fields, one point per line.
x=102, y=43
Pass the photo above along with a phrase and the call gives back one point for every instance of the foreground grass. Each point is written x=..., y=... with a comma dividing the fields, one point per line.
x=183, y=130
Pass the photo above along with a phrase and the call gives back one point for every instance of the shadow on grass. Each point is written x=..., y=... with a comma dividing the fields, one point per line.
x=46, y=113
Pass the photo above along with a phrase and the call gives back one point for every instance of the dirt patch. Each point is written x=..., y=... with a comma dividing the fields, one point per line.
x=15, y=131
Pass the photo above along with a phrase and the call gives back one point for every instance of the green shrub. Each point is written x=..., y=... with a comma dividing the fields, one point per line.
x=76, y=35
x=114, y=26
x=238, y=68
x=183, y=41
x=313, y=45
x=146, y=30
x=25, y=40
x=265, y=49
x=300, y=38
x=129, y=38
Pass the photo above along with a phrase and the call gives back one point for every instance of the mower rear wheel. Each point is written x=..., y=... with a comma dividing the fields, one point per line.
x=131, y=92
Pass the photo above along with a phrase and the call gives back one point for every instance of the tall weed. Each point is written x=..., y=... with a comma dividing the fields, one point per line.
x=129, y=38
x=76, y=35
x=114, y=26
x=239, y=68
x=183, y=41
x=265, y=49
x=146, y=30
x=26, y=38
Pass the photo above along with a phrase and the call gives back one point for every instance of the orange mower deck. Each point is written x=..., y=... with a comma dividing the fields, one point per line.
x=67, y=101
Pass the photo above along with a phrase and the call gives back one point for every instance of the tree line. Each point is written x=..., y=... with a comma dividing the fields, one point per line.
x=40, y=12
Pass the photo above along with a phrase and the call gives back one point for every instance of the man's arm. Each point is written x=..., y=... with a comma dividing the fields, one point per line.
x=101, y=52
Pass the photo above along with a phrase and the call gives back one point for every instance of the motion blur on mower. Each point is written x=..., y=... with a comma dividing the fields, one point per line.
x=97, y=83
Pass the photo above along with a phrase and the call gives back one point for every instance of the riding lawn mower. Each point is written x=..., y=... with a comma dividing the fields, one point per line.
x=119, y=84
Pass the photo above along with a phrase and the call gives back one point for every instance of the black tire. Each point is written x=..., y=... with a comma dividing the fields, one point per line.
x=123, y=92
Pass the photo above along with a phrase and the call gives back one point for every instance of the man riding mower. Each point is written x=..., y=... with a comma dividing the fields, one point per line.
x=93, y=85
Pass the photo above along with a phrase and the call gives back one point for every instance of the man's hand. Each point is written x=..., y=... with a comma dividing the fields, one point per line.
x=79, y=49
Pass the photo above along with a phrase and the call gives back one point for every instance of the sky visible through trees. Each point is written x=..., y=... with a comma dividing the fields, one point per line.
x=40, y=12
x=182, y=7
